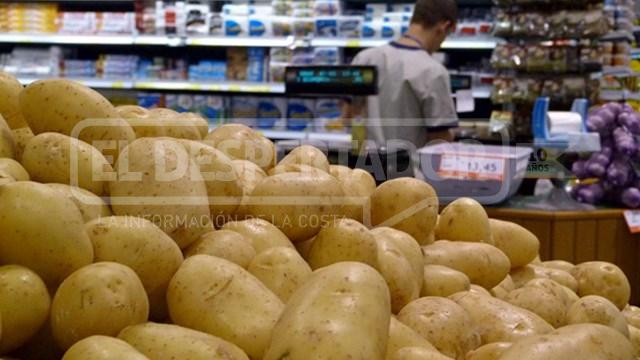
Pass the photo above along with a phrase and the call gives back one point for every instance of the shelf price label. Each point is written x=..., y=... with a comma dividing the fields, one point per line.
x=632, y=217
x=464, y=167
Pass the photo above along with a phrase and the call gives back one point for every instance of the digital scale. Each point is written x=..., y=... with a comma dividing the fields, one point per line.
x=342, y=80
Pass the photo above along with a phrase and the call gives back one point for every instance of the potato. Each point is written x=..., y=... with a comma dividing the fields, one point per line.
x=343, y=240
x=221, y=182
x=175, y=125
x=99, y=347
x=477, y=289
x=140, y=120
x=584, y=341
x=504, y=288
x=443, y=281
x=567, y=296
x=206, y=282
x=21, y=137
x=527, y=273
x=484, y=264
x=196, y=120
x=262, y=233
x=240, y=142
x=304, y=247
x=634, y=338
x=499, y=321
x=598, y=310
x=548, y=303
x=172, y=342
x=405, y=244
x=158, y=181
x=249, y=175
x=10, y=89
x=358, y=185
x=306, y=155
x=464, y=220
x=7, y=143
x=401, y=336
x=5, y=178
x=43, y=231
x=294, y=168
x=341, y=171
x=24, y=306
x=491, y=351
x=404, y=286
x=418, y=353
x=559, y=265
x=225, y=244
x=90, y=205
x=58, y=105
x=341, y=312
x=443, y=323
x=405, y=204
x=281, y=269
x=632, y=315
x=14, y=169
x=603, y=279
x=57, y=158
x=142, y=246
x=132, y=112
x=298, y=204
x=519, y=244
x=98, y=299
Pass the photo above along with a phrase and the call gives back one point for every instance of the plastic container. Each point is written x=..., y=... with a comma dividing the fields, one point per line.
x=489, y=174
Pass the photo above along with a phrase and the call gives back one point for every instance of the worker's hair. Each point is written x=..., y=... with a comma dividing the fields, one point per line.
x=430, y=13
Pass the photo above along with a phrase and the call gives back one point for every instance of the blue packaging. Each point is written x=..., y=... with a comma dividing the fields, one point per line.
x=260, y=26
x=256, y=64
x=299, y=113
x=327, y=27
x=244, y=110
x=327, y=56
x=150, y=100
x=211, y=107
x=350, y=26
x=271, y=112
x=235, y=25
x=391, y=30
x=328, y=116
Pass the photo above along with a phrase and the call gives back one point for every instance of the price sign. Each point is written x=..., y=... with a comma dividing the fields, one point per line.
x=632, y=217
x=454, y=166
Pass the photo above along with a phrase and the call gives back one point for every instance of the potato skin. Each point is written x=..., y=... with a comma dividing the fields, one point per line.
x=306, y=155
x=484, y=264
x=405, y=244
x=49, y=157
x=7, y=142
x=24, y=306
x=14, y=169
x=547, y=303
x=559, y=265
x=172, y=342
x=21, y=137
x=263, y=234
x=603, y=279
x=491, y=351
x=341, y=312
x=98, y=299
x=464, y=220
x=10, y=89
x=598, y=310
x=99, y=347
x=225, y=244
x=519, y=244
x=43, y=231
x=91, y=206
x=634, y=338
x=499, y=321
x=445, y=324
x=583, y=341
x=358, y=185
x=443, y=281
x=343, y=240
x=401, y=336
x=204, y=282
x=240, y=142
x=418, y=353
x=405, y=204
x=281, y=269
x=632, y=315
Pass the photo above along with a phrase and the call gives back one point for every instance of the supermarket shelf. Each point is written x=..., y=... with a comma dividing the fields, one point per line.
x=66, y=39
x=480, y=43
x=95, y=83
x=483, y=92
x=301, y=135
x=241, y=41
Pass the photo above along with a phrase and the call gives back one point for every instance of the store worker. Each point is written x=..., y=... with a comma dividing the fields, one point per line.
x=414, y=103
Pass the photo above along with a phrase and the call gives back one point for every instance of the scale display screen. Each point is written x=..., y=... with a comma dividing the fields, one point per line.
x=331, y=80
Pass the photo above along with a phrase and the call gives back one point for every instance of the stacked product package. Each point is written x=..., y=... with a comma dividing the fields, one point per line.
x=28, y=17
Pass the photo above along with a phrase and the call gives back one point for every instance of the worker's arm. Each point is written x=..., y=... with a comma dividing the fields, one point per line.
x=438, y=108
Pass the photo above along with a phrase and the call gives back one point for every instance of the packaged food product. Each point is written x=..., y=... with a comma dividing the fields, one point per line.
x=328, y=116
x=150, y=100
x=391, y=30
x=237, y=63
x=282, y=7
x=375, y=11
x=198, y=19
x=211, y=107
x=303, y=27
x=326, y=26
x=271, y=113
x=327, y=56
x=236, y=9
x=256, y=64
x=235, y=25
x=327, y=8
x=299, y=113
x=372, y=29
x=260, y=26
x=282, y=26
x=244, y=110
x=350, y=26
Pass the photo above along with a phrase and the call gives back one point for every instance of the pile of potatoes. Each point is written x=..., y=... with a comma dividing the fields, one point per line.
x=128, y=233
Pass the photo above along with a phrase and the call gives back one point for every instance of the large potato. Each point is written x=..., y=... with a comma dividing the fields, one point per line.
x=306, y=155
x=58, y=105
x=294, y=168
x=523, y=275
x=225, y=244
x=21, y=137
x=240, y=142
x=445, y=324
x=220, y=179
x=443, y=281
x=177, y=125
x=519, y=244
x=603, y=279
x=634, y=338
x=281, y=269
x=418, y=353
x=99, y=299
x=341, y=312
x=464, y=220
x=99, y=347
x=343, y=240
x=504, y=288
x=405, y=244
x=559, y=265
x=57, y=158
x=584, y=341
x=358, y=185
x=263, y=234
x=10, y=89
x=172, y=342
x=14, y=169
x=249, y=175
x=406, y=204
x=196, y=120
x=142, y=246
x=477, y=289
x=7, y=142
x=598, y=310
x=632, y=315
x=299, y=204
x=143, y=125
x=24, y=306
x=567, y=295
x=158, y=181
x=484, y=264
x=546, y=302
x=491, y=351
x=401, y=336
x=91, y=206
x=43, y=231
x=499, y=321
x=206, y=282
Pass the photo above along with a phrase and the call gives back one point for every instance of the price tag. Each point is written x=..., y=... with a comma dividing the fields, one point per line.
x=453, y=166
x=632, y=217
x=117, y=85
x=235, y=88
x=353, y=43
